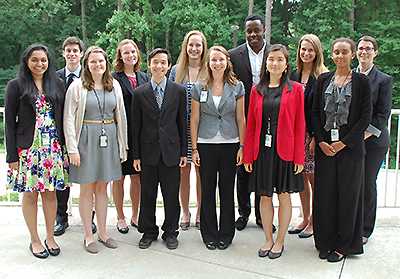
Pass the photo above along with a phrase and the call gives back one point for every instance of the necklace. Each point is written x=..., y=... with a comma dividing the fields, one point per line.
x=343, y=82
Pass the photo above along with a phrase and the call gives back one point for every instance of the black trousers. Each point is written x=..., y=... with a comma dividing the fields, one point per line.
x=217, y=159
x=243, y=195
x=169, y=179
x=338, y=202
x=373, y=161
x=62, y=205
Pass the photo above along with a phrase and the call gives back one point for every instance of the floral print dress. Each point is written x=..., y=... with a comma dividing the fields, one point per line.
x=44, y=165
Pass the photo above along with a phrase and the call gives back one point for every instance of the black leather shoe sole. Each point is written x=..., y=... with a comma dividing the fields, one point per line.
x=52, y=251
x=59, y=229
x=41, y=255
x=295, y=231
x=323, y=255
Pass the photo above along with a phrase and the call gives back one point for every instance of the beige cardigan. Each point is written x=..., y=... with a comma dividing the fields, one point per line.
x=74, y=112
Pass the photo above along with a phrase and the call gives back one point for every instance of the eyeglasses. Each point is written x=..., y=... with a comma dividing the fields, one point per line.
x=367, y=49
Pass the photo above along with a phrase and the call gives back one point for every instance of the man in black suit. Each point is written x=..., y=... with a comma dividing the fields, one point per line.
x=72, y=52
x=376, y=144
x=247, y=59
x=159, y=148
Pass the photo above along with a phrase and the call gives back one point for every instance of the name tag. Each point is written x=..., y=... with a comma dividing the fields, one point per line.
x=45, y=139
x=103, y=141
x=268, y=140
x=203, y=96
x=334, y=134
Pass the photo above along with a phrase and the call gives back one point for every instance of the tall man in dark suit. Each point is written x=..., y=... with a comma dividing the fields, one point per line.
x=247, y=59
x=73, y=49
x=159, y=148
x=377, y=135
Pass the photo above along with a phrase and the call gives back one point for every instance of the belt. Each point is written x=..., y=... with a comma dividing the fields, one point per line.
x=105, y=121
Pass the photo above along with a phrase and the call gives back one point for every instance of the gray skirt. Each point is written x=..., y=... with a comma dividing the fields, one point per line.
x=97, y=163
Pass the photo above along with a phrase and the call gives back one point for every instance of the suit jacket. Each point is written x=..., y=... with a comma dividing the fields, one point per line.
x=127, y=92
x=61, y=74
x=242, y=68
x=308, y=99
x=381, y=95
x=20, y=117
x=360, y=111
x=159, y=133
x=291, y=125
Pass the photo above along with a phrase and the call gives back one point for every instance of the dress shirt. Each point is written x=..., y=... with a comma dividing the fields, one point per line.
x=358, y=70
x=77, y=72
x=256, y=60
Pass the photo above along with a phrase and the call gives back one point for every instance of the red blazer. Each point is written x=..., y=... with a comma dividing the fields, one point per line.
x=291, y=125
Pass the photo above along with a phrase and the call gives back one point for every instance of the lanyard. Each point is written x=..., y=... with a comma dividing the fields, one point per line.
x=101, y=109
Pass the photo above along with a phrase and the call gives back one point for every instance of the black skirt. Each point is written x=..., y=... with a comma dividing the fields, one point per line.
x=271, y=173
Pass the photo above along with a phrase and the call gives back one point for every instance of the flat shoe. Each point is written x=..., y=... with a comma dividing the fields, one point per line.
x=275, y=255
x=294, y=230
x=305, y=234
x=52, y=251
x=122, y=230
x=41, y=255
x=91, y=247
x=109, y=243
x=334, y=257
x=263, y=253
x=133, y=224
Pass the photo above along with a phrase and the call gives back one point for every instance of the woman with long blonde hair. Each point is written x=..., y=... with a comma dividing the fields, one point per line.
x=190, y=68
x=310, y=64
x=127, y=73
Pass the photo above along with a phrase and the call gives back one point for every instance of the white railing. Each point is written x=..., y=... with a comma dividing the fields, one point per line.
x=387, y=184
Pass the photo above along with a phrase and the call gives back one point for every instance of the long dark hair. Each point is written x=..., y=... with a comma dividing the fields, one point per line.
x=52, y=84
x=265, y=75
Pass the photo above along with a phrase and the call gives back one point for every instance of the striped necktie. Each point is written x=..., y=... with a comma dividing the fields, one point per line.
x=159, y=96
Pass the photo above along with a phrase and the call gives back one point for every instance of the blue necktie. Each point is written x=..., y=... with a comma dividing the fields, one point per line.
x=159, y=96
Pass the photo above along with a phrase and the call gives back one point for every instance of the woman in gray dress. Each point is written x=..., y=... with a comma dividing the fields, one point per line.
x=96, y=136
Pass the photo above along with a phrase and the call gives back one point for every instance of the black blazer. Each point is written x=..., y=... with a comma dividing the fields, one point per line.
x=242, y=68
x=61, y=74
x=127, y=92
x=20, y=117
x=159, y=134
x=381, y=95
x=360, y=111
x=308, y=99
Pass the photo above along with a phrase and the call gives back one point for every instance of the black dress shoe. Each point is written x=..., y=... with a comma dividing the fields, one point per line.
x=222, y=245
x=171, y=242
x=145, y=242
x=241, y=223
x=41, y=255
x=52, y=251
x=334, y=257
x=211, y=245
x=59, y=228
x=323, y=254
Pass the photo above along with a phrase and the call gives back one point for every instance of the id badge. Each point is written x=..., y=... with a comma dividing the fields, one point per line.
x=45, y=139
x=268, y=140
x=334, y=134
x=103, y=141
x=203, y=96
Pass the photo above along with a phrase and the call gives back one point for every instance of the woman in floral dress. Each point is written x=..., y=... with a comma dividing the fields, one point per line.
x=33, y=112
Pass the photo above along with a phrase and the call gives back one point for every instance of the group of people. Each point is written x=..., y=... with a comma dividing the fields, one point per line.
x=233, y=114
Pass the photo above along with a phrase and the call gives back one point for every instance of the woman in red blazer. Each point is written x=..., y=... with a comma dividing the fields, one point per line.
x=274, y=143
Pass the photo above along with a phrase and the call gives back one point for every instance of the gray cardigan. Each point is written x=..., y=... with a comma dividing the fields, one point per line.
x=223, y=119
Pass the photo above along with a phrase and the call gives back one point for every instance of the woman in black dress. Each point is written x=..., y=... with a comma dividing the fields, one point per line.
x=342, y=112
x=128, y=74
x=274, y=142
